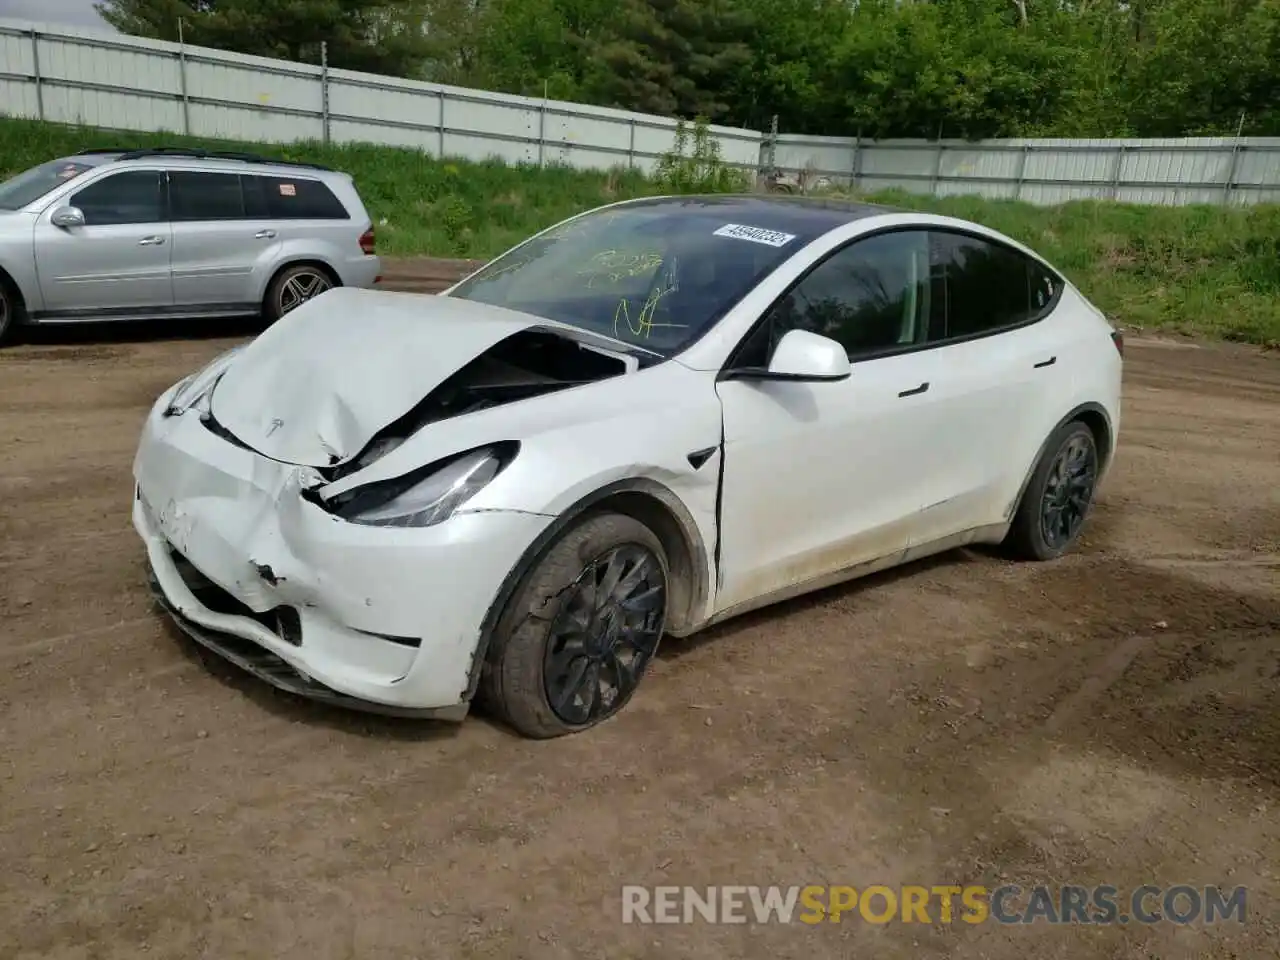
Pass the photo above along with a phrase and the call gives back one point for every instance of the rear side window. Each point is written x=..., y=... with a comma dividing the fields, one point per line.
x=988, y=286
x=288, y=198
x=205, y=196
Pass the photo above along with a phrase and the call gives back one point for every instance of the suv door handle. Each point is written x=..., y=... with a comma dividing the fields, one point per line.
x=150, y=241
x=264, y=235
x=1046, y=363
x=918, y=390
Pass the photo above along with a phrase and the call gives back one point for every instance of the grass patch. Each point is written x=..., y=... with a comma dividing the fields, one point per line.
x=1197, y=270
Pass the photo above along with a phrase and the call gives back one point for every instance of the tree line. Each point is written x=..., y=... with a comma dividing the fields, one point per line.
x=879, y=68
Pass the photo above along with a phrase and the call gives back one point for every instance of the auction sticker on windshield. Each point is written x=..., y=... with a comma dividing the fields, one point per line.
x=772, y=238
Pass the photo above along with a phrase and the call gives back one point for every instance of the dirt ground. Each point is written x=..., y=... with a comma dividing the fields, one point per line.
x=1110, y=718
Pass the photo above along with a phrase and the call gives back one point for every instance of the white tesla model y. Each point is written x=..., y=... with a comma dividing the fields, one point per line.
x=644, y=420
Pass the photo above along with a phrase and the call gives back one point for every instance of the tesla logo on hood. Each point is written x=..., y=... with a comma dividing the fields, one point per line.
x=275, y=425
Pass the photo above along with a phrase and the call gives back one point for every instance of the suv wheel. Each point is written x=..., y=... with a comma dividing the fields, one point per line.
x=293, y=287
x=8, y=312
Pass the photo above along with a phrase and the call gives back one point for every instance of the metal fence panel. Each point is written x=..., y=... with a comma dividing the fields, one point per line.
x=106, y=80
x=99, y=79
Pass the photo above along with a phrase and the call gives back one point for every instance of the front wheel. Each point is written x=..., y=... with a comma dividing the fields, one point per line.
x=1057, y=500
x=578, y=634
x=8, y=313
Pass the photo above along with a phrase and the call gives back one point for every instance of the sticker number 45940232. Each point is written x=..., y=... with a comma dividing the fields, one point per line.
x=772, y=238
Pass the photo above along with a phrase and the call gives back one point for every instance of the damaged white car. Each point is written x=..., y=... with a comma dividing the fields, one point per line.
x=644, y=420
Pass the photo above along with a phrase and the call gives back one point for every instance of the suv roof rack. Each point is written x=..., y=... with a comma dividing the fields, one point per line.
x=196, y=154
x=95, y=150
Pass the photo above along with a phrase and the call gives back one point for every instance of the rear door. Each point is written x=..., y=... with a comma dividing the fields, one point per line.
x=118, y=262
x=223, y=241
x=308, y=215
x=994, y=370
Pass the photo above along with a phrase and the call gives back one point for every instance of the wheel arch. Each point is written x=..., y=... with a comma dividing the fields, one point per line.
x=645, y=500
x=1092, y=415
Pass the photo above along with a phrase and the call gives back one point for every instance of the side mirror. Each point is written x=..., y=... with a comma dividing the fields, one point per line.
x=801, y=356
x=67, y=217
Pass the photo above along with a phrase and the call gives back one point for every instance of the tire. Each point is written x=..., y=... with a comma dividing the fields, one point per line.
x=1058, y=498
x=294, y=286
x=557, y=627
x=9, y=311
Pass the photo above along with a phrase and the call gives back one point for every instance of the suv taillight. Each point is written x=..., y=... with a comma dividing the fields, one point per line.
x=368, y=242
x=1117, y=338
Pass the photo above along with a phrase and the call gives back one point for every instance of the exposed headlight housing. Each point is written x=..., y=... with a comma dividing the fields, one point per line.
x=195, y=390
x=427, y=496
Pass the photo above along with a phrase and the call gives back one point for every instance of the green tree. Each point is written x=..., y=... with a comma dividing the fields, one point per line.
x=374, y=35
x=671, y=57
x=886, y=68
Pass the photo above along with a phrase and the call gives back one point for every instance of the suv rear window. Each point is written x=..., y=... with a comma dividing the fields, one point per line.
x=286, y=198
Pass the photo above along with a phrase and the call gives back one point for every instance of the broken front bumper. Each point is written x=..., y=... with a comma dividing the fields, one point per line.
x=384, y=619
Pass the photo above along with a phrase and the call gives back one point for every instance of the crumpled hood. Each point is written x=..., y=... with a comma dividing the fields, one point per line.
x=317, y=386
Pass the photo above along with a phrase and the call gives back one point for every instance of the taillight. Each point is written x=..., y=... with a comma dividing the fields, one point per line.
x=1117, y=338
x=368, y=242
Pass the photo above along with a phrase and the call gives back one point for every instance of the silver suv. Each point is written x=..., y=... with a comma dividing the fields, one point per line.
x=170, y=233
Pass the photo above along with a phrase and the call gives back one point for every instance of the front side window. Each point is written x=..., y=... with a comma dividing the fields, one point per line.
x=31, y=185
x=656, y=275
x=872, y=297
x=205, y=196
x=990, y=287
x=133, y=197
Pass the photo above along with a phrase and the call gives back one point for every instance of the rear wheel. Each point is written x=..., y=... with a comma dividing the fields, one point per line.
x=578, y=635
x=293, y=287
x=1058, y=498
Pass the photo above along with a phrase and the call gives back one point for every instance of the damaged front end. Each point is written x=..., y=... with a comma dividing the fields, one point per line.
x=261, y=533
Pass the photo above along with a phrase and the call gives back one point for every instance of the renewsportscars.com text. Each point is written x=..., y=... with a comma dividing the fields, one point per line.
x=1010, y=904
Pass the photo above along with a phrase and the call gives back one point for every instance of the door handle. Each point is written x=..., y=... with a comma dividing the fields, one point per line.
x=150, y=241
x=264, y=235
x=918, y=390
x=1046, y=363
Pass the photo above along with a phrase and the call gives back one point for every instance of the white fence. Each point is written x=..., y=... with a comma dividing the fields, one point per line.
x=1176, y=171
x=118, y=82
x=113, y=81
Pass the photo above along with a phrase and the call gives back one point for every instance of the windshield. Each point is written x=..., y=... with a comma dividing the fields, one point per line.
x=17, y=192
x=657, y=275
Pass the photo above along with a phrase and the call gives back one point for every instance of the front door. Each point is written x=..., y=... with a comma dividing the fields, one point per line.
x=118, y=262
x=821, y=478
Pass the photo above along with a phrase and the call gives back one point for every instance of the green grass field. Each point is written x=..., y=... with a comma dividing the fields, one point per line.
x=1198, y=270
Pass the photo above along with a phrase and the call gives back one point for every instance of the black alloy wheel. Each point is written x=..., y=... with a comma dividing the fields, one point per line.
x=1068, y=491
x=605, y=634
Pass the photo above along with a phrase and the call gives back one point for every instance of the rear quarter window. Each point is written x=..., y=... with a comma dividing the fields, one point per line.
x=988, y=286
x=292, y=198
